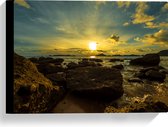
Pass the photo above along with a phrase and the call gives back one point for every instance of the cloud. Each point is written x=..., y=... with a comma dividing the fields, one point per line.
x=165, y=7
x=22, y=3
x=114, y=38
x=123, y=4
x=152, y=25
x=140, y=17
x=126, y=24
x=160, y=37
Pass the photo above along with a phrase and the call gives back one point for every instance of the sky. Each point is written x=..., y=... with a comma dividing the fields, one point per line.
x=61, y=27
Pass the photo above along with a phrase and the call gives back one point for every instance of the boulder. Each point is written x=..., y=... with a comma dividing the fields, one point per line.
x=32, y=91
x=72, y=65
x=147, y=60
x=85, y=63
x=152, y=73
x=120, y=67
x=58, y=79
x=49, y=68
x=155, y=75
x=97, y=83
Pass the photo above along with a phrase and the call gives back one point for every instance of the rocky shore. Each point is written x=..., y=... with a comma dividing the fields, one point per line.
x=49, y=85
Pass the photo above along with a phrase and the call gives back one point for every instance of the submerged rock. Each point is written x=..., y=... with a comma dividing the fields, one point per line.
x=147, y=60
x=32, y=91
x=98, y=82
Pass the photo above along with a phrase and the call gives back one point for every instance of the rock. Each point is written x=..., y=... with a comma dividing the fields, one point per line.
x=163, y=71
x=97, y=83
x=155, y=75
x=147, y=60
x=120, y=67
x=45, y=60
x=72, y=65
x=85, y=63
x=96, y=60
x=58, y=78
x=163, y=53
x=135, y=80
x=139, y=107
x=32, y=91
x=144, y=70
x=48, y=68
x=115, y=59
x=101, y=54
x=57, y=61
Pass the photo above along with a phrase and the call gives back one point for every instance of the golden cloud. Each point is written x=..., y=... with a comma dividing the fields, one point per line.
x=125, y=4
x=140, y=16
x=152, y=25
x=160, y=37
x=22, y=3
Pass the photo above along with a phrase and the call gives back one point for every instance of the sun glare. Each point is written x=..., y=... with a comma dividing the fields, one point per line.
x=92, y=46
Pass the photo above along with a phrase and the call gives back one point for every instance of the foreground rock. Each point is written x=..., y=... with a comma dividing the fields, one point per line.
x=154, y=106
x=147, y=60
x=97, y=83
x=33, y=93
x=152, y=74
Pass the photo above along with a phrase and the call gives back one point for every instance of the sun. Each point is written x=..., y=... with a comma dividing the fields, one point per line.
x=92, y=46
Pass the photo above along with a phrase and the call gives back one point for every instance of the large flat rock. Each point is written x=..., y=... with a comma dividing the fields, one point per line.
x=95, y=82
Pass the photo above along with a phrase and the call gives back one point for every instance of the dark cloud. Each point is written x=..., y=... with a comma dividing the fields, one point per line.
x=114, y=37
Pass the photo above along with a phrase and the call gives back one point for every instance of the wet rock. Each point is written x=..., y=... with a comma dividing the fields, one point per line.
x=72, y=65
x=96, y=60
x=163, y=71
x=48, y=68
x=57, y=61
x=155, y=75
x=58, y=78
x=98, y=82
x=85, y=63
x=115, y=60
x=32, y=91
x=155, y=68
x=139, y=107
x=120, y=67
x=135, y=80
x=147, y=60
